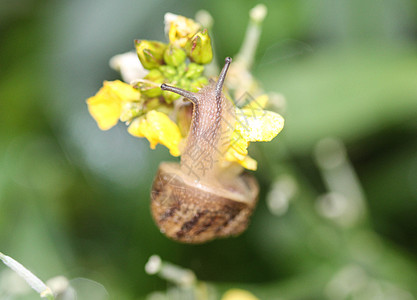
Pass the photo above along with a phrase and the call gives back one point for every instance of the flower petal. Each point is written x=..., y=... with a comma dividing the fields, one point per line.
x=124, y=91
x=256, y=125
x=180, y=29
x=129, y=66
x=238, y=148
x=249, y=163
x=252, y=125
x=258, y=103
x=157, y=127
x=238, y=152
x=106, y=106
x=246, y=161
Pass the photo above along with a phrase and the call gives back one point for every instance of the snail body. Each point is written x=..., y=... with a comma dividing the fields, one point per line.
x=196, y=201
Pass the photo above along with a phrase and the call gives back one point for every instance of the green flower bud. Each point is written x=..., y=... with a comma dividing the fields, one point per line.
x=184, y=83
x=197, y=84
x=155, y=75
x=150, y=53
x=181, y=69
x=194, y=70
x=151, y=104
x=150, y=85
x=165, y=108
x=149, y=89
x=156, y=104
x=174, y=80
x=181, y=82
x=168, y=71
x=199, y=48
x=169, y=96
x=174, y=56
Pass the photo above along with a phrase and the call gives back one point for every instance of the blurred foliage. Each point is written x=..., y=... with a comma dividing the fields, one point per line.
x=74, y=201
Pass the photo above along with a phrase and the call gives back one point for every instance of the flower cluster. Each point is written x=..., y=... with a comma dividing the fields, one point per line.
x=162, y=117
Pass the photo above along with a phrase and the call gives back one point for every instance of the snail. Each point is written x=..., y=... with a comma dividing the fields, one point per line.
x=195, y=201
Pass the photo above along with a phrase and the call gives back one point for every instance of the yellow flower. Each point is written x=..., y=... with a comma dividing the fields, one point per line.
x=238, y=294
x=106, y=106
x=157, y=127
x=257, y=104
x=180, y=29
x=253, y=124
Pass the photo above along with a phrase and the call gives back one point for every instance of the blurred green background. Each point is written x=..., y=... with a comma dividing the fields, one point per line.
x=74, y=200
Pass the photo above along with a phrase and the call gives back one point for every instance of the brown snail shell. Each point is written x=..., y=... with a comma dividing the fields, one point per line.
x=195, y=213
